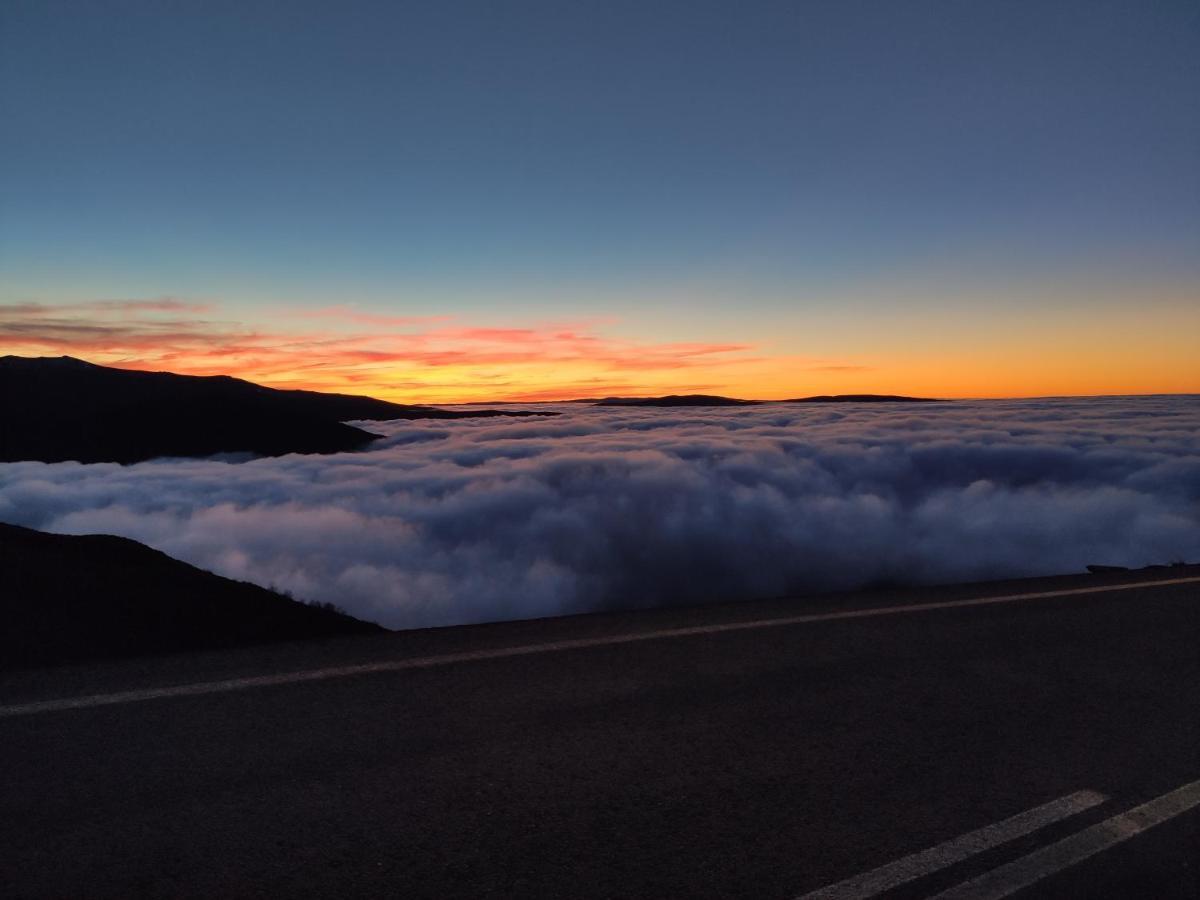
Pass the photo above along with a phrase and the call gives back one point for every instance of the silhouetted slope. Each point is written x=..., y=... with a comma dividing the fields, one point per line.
x=65, y=598
x=56, y=409
x=675, y=400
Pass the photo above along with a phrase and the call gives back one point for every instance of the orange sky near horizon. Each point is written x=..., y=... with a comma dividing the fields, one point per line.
x=438, y=359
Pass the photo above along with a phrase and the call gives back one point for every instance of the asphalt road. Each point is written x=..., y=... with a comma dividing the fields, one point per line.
x=618, y=756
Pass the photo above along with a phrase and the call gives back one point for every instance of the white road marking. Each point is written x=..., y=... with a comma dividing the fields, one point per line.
x=428, y=662
x=917, y=865
x=1021, y=873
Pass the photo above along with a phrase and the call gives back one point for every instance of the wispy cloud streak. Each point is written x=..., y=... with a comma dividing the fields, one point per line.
x=379, y=353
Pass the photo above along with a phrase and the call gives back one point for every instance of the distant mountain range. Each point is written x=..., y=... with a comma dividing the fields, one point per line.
x=55, y=409
x=712, y=400
x=67, y=598
x=861, y=398
x=674, y=400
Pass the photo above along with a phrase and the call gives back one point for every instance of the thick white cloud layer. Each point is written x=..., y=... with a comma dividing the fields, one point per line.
x=475, y=520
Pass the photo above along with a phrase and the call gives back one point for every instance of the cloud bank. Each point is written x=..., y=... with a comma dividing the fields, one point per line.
x=603, y=508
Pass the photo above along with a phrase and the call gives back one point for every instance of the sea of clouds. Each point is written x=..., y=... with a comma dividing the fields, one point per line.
x=485, y=519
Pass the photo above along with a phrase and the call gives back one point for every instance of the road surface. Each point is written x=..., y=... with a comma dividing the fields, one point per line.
x=1035, y=739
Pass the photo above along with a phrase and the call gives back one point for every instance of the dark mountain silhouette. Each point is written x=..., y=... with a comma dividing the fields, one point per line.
x=65, y=598
x=712, y=400
x=675, y=400
x=60, y=408
x=861, y=398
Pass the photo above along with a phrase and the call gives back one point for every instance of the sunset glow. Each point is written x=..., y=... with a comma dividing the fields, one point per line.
x=556, y=449
x=439, y=359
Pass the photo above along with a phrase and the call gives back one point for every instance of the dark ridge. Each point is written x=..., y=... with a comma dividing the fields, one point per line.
x=67, y=598
x=58, y=409
x=861, y=398
x=712, y=400
x=675, y=400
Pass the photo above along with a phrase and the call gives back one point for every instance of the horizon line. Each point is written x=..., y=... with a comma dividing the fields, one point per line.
x=600, y=397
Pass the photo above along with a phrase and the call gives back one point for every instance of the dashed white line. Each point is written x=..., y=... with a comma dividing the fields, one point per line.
x=427, y=662
x=944, y=855
x=1032, y=868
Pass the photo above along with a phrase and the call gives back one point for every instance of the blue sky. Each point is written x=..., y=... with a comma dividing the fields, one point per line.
x=563, y=160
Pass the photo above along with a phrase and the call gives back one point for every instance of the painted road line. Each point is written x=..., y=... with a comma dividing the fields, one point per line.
x=1028, y=870
x=446, y=659
x=918, y=865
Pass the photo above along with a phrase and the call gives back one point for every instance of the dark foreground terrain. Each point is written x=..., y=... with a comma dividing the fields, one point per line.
x=59, y=409
x=66, y=598
x=733, y=751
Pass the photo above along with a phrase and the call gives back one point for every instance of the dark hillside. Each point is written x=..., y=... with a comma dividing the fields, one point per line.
x=65, y=598
x=58, y=409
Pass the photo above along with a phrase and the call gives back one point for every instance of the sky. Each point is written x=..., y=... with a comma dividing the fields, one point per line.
x=504, y=201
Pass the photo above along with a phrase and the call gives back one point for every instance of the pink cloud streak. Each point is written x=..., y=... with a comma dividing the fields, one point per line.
x=175, y=335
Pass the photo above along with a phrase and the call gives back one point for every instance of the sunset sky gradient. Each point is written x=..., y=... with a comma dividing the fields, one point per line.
x=477, y=201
